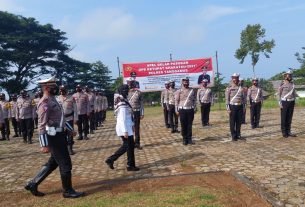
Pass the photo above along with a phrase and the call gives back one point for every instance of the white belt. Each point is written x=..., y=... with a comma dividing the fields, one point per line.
x=287, y=99
x=136, y=109
x=206, y=102
x=256, y=101
x=60, y=129
x=235, y=104
x=186, y=107
x=171, y=102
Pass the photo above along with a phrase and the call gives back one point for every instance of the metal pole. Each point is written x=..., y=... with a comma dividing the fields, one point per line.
x=218, y=84
x=170, y=57
x=118, y=59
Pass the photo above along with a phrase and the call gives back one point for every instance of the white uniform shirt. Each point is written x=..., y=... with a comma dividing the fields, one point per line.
x=124, y=120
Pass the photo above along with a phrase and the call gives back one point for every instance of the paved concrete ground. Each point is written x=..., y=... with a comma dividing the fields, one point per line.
x=277, y=164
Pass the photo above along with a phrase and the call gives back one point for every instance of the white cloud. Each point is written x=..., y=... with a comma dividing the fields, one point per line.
x=214, y=12
x=10, y=6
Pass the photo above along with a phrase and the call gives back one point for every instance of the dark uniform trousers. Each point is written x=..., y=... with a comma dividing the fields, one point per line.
x=166, y=114
x=127, y=146
x=255, y=113
x=70, y=140
x=186, y=120
x=136, y=120
x=205, y=113
x=27, y=126
x=173, y=118
x=286, y=116
x=92, y=120
x=5, y=130
x=36, y=122
x=16, y=126
x=235, y=120
x=103, y=115
x=96, y=119
x=82, y=125
x=243, y=118
x=59, y=155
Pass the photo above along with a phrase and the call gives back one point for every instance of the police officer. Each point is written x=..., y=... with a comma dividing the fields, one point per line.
x=173, y=117
x=97, y=107
x=255, y=99
x=25, y=115
x=83, y=112
x=133, y=76
x=52, y=138
x=286, y=98
x=91, y=97
x=235, y=101
x=185, y=103
x=104, y=106
x=6, y=113
x=164, y=102
x=16, y=124
x=204, y=75
x=136, y=101
x=35, y=101
x=205, y=99
x=245, y=90
x=70, y=111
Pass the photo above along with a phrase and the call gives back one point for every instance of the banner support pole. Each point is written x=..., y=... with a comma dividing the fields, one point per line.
x=118, y=60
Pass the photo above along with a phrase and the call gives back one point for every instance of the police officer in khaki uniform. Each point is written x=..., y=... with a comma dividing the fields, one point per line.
x=35, y=101
x=286, y=98
x=70, y=111
x=173, y=117
x=91, y=97
x=97, y=108
x=235, y=102
x=6, y=115
x=104, y=106
x=52, y=137
x=16, y=124
x=136, y=101
x=164, y=102
x=185, y=103
x=255, y=99
x=245, y=90
x=25, y=115
x=83, y=112
x=205, y=99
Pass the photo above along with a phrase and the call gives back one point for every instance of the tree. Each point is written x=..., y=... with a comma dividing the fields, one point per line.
x=252, y=43
x=28, y=48
x=301, y=59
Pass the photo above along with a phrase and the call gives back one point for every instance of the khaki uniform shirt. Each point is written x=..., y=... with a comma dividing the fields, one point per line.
x=6, y=109
x=164, y=96
x=286, y=91
x=1, y=115
x=104, y=103
x=13, y=105
x=204, y=95
x=135, y=99
x=35, y=103
x=91, y=97
x=82, y=103
x=255, y=94
x=235, y=95
x=185, y=98
x=25, y=109
x=98, y=103
x=69, y=106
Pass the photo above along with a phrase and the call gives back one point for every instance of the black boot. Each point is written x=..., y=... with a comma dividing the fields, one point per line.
x=32, y=186
x=70, y=149
x=284, y=133
x=69, y=192
x=176, y=129
x=184, y=141
x=30, y=140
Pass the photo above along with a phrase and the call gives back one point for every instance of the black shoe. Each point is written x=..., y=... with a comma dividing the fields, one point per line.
x=91, y=132
x=133, y=168
x=177, y=131
x=173, y=131
x=80, y=138
x=291, y=135
x=72, y=194
x=110, y=164
x=253, y=127
x=185, y=142
x=285, y=135
x=70, y=149
x=138, y=146
x=32, y=187
x=234, y=139
x=30, y=142
x=191, y=142
x=86, y=138
x=15, y=135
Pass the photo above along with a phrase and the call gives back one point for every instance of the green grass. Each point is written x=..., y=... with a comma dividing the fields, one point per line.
x=169, y=197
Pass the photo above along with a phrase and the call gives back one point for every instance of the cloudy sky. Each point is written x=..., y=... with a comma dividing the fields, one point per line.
x=143, y=31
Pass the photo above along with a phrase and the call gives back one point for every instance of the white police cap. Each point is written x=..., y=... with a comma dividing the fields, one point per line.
x=49, y=81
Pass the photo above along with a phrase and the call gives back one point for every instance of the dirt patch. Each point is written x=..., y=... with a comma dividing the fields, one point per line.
x=223, y=186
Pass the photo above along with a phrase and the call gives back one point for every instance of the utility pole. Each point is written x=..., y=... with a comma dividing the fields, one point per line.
x=118, y=60
x=218, y=83
x=170, y=57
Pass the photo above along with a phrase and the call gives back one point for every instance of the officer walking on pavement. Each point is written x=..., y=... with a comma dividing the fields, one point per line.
x=16, y=124
x=205, y=99
x=235, y=101
x=164, y=102
x=70, y=111
x=52, y=137
x=25, y=115
x=136, y=101
x=173, y=117
x=286, y=98
x=83, y=112
x=255, y=99
x=185, y=103
x=6, y=115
